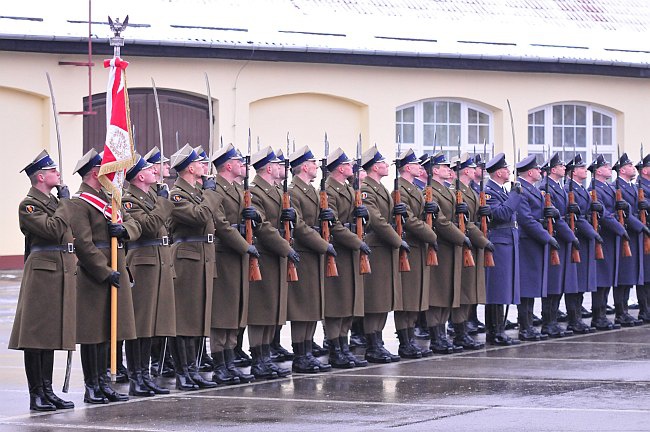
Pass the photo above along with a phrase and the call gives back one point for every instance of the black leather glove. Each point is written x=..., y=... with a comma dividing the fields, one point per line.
x=644, y=205
x=250, y=213
x=597, y=207
x=489, y=246
x=622, y=205
x=405, y=246
x=326, y=215
x=485, y=210
x=516, y=187
x=288, y=215
x=331, y=250
x=646, y=231
x=467, y=243
x=114, y=279
x=551, y=212
x=365, y=249
x=162, y=190
x=293, y=256
x=209, y=183
x=62, y=192
x=434, y=245
x=252, y=250
x=431, y=208
x=362, y=212
x=117, y=230
x=598, y=239
x=575, y=244
x=462, y=208
x=399, y=209
x=554, y=244
x=573, y=208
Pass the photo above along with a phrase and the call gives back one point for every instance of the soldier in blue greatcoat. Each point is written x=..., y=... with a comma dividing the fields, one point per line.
x=562, y=278
x=534, y=243
x=611, y=231
x=643, y=291
x=630, y=270
x=502, y=280
x=588, y=236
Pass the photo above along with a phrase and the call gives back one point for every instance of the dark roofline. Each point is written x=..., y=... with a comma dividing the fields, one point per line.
x=101, y=47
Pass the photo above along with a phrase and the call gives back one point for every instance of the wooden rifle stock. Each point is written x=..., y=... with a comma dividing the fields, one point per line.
x=292, y=273
x=594, y=223
x=468, y=259
x=432, y=255
x=330, y=269
x=575, y=253
x=404, y=265
x=254, y=273
x=488, y=256
x=555, y=255
x=625, y=243
x=364, y=262
x=643, y=217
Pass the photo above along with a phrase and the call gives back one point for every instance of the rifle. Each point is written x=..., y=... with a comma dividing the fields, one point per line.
x=292, y=273
x=555, y=255
x=68, y=365
x=432, y=255
x=488, y=257
x=468, y=259
x=594, y=214
x=625, y=243
x=254, y=273
x=330, y=270
x=643, y=214
x=575, y=253
x=364, y=262
x=404, y=265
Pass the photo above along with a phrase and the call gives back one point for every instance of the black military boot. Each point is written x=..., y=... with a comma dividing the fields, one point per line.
x=300, y=363
x=229, y=358
x=345, y=349
x=47, y=365
x=373, y=353
x=220, y=373
x=317, y=350
x=405, y=349
x=192, y=368
x=465, y=340
x=357, y=338
x=642, y=297
x=380, y=342
x=575, y=322
x=92, y=393
x=121, y=372
x=104, y=381
x=474, y=321
x=448, y=341
x=145, y=354
x=622, y=317
x=437, y=345
x=526, y=330
x=33, y=368
x=241, y=358
x=278, y=353
x=336, y=357
x=425, y=352
x=179, y=355
x=259, y=367
x=137, y=386
x=280, y=371
x=496, y=334
x=421, y=330
x=549, y=320
x=600, y=320
x=313, y=360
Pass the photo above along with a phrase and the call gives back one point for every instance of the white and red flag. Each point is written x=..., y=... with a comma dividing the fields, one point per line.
x=119, y=154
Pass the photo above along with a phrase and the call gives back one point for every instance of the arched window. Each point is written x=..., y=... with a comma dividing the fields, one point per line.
x=180, y=112
x=444, y=121
x=561, y=127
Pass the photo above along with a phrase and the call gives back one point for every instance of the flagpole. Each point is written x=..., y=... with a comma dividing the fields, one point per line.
x=116, y=42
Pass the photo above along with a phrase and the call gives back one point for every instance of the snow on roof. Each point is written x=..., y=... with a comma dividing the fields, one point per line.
x=610, y=32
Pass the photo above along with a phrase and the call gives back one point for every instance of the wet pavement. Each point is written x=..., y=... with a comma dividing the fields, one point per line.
x=596, y=382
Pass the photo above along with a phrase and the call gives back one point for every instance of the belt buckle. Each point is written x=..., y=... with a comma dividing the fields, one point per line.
x=165, y=240
x=70, y=247
x=210, y=238
x=516, y=225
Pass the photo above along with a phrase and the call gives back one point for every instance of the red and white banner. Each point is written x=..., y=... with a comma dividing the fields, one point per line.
x=119, y=154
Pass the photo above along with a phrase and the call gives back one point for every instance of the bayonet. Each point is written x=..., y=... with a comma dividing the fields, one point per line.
x=210, y=122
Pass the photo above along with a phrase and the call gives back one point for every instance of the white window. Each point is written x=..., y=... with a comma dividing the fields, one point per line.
x=420, y=124
x=563, y=127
